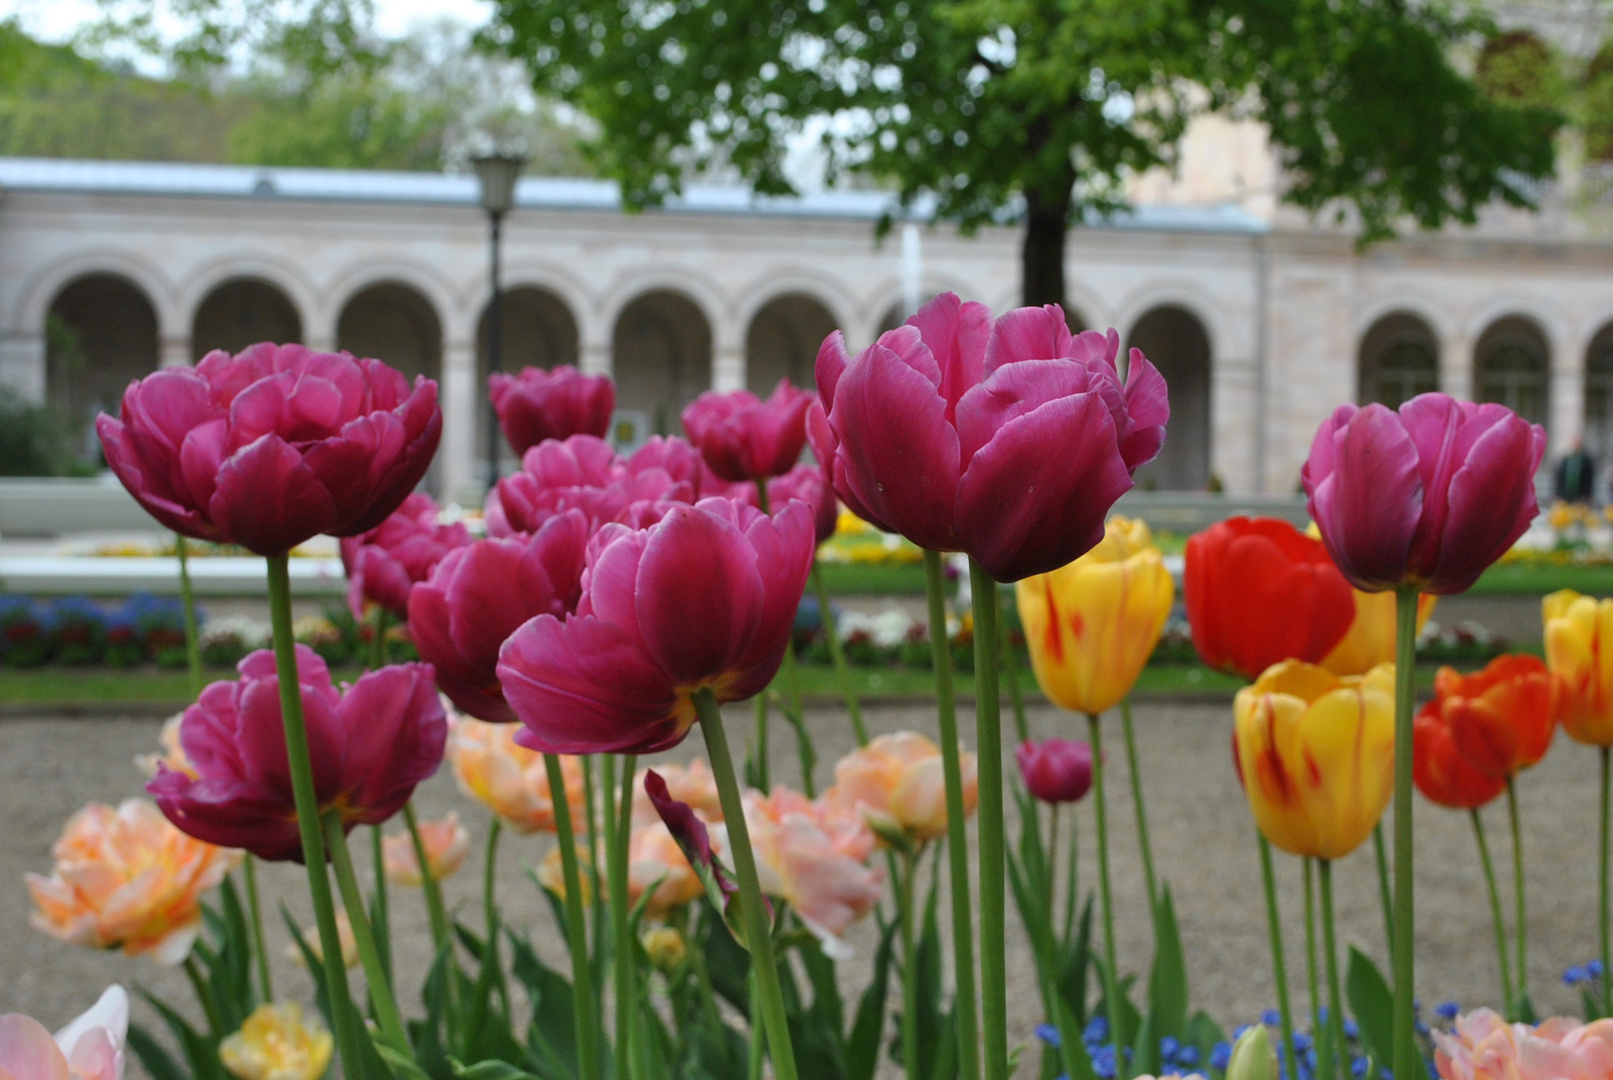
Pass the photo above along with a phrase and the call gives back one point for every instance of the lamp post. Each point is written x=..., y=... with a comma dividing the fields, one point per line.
x=496, y=173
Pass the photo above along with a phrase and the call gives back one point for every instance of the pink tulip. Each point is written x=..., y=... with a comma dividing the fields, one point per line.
x=88, y=1048
x=1056, y=770
x=581, y=473
x=1008, y=440
x=479, y=594
x=744, y=438
x=807, y=483
x=679, y=459
x=1430, y=495
x=1482, y=1046
x=704, y=598
x=273, y=446
x=370, y=742
x=384, y=564
x=537, y=405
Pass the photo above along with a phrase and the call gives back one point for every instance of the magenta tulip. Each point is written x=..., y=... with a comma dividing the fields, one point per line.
x=581, y=473
x=1008, y=440
x=1056, y=770
x=478, y=595
x=273, y=446
x=370, y=742
x=1430, y=495
x=682, y=462
x=808, y=484
x=384, y=563
x=704, y=598
x=537, y=405
x=688, y=830
x=744, y=438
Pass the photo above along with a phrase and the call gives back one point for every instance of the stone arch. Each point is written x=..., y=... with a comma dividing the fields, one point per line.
x=1398, y=359
x=1512, y=366
x=100, y=334
x=1176, y=341
x=42, y=288
x=661, y=345
x=782, y=340
x=1599, y=393
x=396, y=324
x=243, y=311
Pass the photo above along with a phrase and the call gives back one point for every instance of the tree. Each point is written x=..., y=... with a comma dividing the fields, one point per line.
x=1037, y=111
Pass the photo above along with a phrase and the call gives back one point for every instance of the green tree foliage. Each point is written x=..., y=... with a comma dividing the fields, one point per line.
x=1037, y=111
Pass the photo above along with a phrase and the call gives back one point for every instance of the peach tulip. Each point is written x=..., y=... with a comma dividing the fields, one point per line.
x=88, y=1048
x=126, y=878
x=279, y=1042
x=173, y=754
x=446, y=842
x=1579, y=652
x=655, y=861
x=1483, y=1046
x=814, y=856
x=1316, y=755
x=691, y=784
x=896, y=782
x=551, y=874
x=510, y=779
x=310, y=938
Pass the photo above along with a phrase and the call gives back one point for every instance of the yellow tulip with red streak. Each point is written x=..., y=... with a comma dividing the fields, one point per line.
x=1370, y=640
x=1579, y=654
x=1316, y=754
x=1092, y=625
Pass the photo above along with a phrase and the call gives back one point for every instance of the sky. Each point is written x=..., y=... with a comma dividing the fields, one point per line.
x=56, y=20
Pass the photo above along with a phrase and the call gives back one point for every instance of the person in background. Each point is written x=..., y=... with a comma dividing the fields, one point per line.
x=1576, y=475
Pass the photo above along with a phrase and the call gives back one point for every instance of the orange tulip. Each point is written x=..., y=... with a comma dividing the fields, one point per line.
x=1316, y=754
x=1579, y=652
x=447, y=842
x=1501, y=719
x=1442, y=773
x=896, y=782
x=127, y=878
x=510, y=779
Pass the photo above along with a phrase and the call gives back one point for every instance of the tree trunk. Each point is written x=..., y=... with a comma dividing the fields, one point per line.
x=1047, y=223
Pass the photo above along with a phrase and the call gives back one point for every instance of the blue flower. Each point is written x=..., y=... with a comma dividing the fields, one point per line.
x=1352, y=1030
x=1221, y=1055
x=1048, y=1034
x=1237, y=1032
x=1168, y=1048
x=1096, y=1031
x=1103, y=1062
x=1358, y=1067
x=1593, y=968
x=1448, y=1010
x=1188, y=1056
x=1575, y=975
x=1422, y=1028
x=1271, y=1018
x=1302, y=1041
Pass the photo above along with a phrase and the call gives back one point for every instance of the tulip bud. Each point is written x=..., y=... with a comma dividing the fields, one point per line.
x=278, y=1042
x=666, y=949
x=1057, y=770
x=1253, y=1056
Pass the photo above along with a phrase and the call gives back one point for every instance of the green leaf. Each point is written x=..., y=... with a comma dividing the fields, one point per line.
x=552, y=1034
x=490, y=1070
x=862, y=1045
x=402, y=1067
x=153, y=1058
x=1167, y=983
x=1373, y=1005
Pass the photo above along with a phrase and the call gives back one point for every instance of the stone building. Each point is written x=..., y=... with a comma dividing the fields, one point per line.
x=1261, y=322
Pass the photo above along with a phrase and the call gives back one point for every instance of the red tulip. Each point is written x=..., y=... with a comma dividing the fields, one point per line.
x=273, y=446
x=744, y=438
x=1502, y=719
x=384, y=563
x=1258, y=592
x=1442, y=774
x=537, y=405
x=478, y=595
x=704, y=598
x=1056, y=770
x=1009, y=440
x=370, y=742
x=1430, y=495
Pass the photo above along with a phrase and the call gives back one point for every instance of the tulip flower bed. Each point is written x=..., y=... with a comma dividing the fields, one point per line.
x=704, y=905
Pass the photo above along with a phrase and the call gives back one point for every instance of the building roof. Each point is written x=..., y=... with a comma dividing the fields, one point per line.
x=535, y=192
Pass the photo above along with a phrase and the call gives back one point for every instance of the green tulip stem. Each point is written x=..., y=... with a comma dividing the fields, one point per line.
x=254, y=909
x=759, y=745
x=1052, y=854
x=618, y=826
x=582, y=991
x=1407, y=1056
x=910, y=968
x=387, y=1016
x=1520, y=921
x=193, y=646
x=382, y=906
x=1143, y=845
x=965, y=1008
x=1111, y=976
x=1010, y=669
x=490, y=878
x=1279, y=966
x=1495, y=915
x=837, y=654
x=1310, y=946
x=198, y=983
x=993, y=837
x=1380, y=854
x=1603, y=880
x=1335, y=1000
x=428, y=881
x=378, y=646
x=309, y=829
x=753, y=908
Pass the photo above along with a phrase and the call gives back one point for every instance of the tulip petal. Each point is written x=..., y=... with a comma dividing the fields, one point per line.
x=1147, y=411
x=955, y=336
x=830, y=365
x=1498, y=470
x=690, y=559
x=268, y=500
x=1027, y=333
x=1369, y=506
x=27, y=1050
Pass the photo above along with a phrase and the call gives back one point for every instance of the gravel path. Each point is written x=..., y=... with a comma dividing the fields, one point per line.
x=1203, y=838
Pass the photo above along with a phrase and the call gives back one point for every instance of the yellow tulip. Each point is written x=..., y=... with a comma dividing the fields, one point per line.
x=1579, y=653
x=278, y=1042
x=1370, y=640
x=1316, y=754
x=1092, y=625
